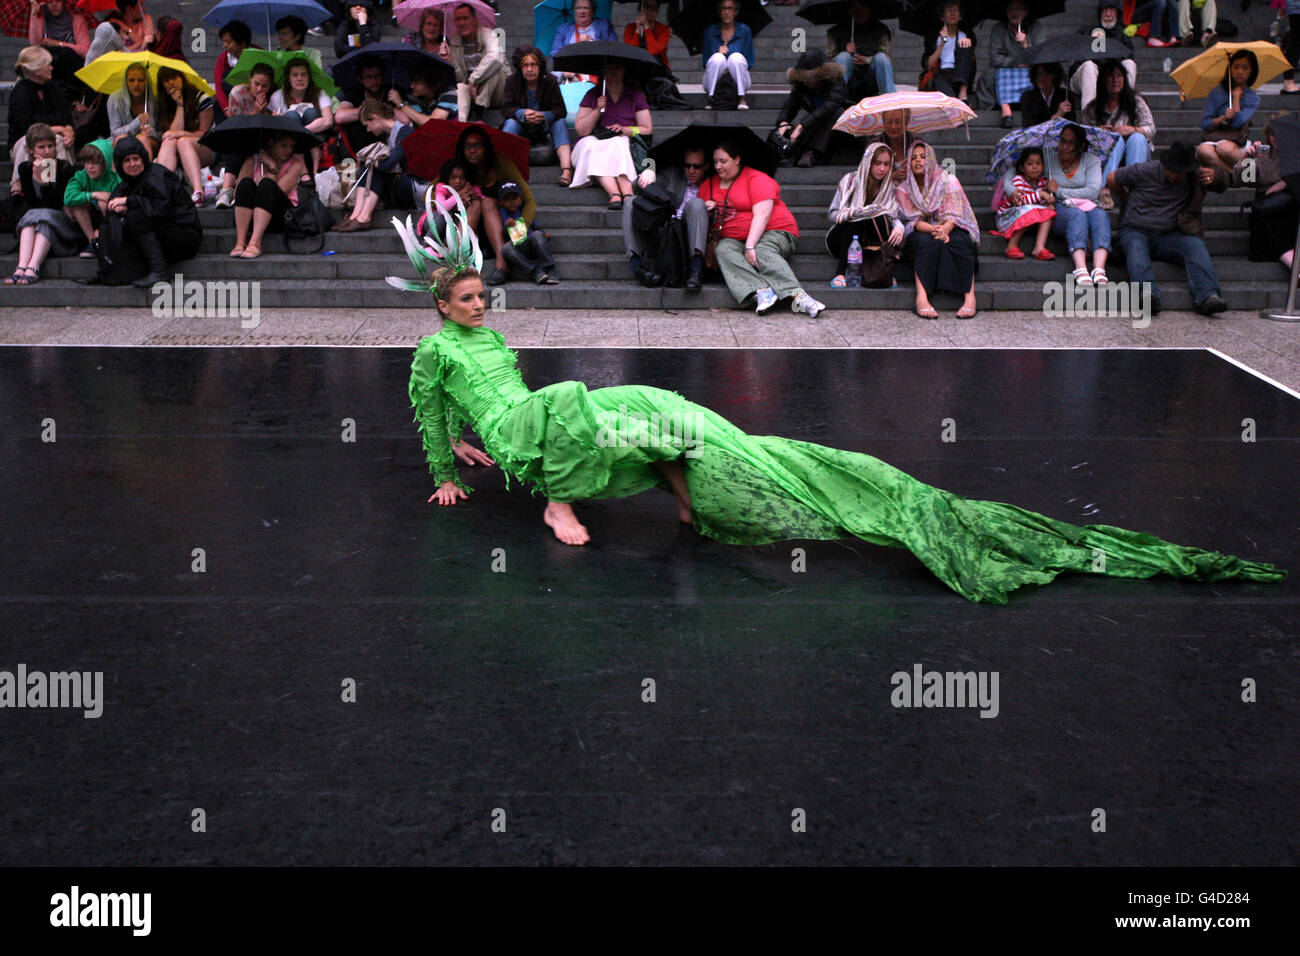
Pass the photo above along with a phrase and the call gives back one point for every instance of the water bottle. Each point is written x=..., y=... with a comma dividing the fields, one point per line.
x=1168, y=65
x=853, y=274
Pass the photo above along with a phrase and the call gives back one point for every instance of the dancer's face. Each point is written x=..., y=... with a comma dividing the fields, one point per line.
x=465, y=303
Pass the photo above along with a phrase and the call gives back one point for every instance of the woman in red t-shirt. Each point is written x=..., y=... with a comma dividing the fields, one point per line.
x=754, y=232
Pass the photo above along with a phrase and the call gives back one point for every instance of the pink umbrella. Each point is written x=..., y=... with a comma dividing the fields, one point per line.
x=410, y=12
x=929, y=112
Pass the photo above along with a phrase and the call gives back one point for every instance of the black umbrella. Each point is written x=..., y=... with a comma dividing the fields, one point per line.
x=924, y=17
x=591, y=58
x=1071, y=49
x=831, y=12
x=245, y=134
x=691, y=22
x=1034, y=10
x=399, y=60
x=1287, y=133
x=754, y=151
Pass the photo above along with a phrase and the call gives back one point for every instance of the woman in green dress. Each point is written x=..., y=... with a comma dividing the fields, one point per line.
x=570, y=444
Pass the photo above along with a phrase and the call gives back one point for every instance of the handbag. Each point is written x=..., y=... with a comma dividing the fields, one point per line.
x=715, y=232
x=307, y=220
x=784, y=148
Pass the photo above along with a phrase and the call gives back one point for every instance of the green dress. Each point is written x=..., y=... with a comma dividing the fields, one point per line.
x=572, y=444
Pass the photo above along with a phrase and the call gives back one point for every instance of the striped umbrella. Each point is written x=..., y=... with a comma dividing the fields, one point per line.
x=930, y=111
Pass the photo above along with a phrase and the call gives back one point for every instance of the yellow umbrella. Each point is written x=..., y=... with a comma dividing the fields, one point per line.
x=1203, y=72
x=105, y=73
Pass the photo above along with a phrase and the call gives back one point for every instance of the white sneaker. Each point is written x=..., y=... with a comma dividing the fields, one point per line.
x=766, y=299
x=225, y=199
x=803, y=302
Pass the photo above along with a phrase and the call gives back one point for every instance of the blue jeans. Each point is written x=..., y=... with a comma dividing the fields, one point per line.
x=879, y=66
x=1157, y=12
x=1134, y=149
x=1082, y=230
x=1141, y=246
x=558, y=129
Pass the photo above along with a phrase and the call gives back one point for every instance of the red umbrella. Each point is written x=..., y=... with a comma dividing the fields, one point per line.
x=434, y=143
x=96, y=6
x=14, y=16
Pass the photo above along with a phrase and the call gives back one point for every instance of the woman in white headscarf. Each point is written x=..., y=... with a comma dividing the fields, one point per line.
x=865, y=206
x=941, y=232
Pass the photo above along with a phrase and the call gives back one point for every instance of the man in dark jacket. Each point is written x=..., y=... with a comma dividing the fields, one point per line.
x=862, y=47
x=817, y=98
x=158, y=216
x=1162, y=220
x=1110, y=26
x=683, y=188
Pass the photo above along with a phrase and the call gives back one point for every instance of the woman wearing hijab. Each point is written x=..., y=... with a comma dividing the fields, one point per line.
x=158, y=217
x=941, y=235
x=865, y=206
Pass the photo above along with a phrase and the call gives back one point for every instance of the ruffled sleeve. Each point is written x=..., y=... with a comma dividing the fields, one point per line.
x=432, y=413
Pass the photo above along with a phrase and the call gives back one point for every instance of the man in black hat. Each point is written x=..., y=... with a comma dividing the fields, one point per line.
x=817, y=98
x=1162, y=220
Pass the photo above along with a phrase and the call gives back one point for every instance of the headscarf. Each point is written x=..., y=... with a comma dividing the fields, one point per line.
x=939, y=197
x=128, y=146
x=852, y=190
x=169, y=42
x=107, y=39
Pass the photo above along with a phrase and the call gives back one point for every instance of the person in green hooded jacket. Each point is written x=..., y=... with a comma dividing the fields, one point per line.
x=88, y=191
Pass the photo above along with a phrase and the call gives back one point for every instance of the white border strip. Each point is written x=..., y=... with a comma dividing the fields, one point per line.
x=1260, y=375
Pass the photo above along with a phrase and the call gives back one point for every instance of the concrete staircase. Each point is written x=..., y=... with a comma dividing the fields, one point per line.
x=587, y=239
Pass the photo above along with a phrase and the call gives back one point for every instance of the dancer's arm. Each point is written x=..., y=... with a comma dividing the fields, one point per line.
x=430, y=414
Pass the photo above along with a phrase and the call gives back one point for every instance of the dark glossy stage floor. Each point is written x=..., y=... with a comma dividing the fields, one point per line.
x=522, y=690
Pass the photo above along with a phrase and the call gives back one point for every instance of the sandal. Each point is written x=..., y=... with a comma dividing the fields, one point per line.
x=238, y=251
x=839, y=282
x=966, y=312
x=1014, y=252
x=252, y=251
x=1044, y=255
x=1082, y=278
x=33, y=276
x=929, y=312
x=1099, y=277
x=615, y=203
x=18, y=274
x=566, y=176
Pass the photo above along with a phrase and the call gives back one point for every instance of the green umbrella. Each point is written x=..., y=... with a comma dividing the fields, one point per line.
x=278, y=60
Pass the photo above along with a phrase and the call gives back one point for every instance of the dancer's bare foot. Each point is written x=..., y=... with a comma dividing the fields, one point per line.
x=565, y=523
x=672, y=470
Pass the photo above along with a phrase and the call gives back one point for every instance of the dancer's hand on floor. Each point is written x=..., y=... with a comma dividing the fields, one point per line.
x=470, y=455
x=448, y=493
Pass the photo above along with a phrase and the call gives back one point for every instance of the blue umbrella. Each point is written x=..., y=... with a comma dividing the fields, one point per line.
x=550, y=15
x=257, y=12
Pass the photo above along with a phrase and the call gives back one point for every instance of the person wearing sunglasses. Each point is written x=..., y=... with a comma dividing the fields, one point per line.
x=683, y=189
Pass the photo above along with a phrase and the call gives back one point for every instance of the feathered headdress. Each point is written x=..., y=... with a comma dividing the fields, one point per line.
x=460, y=251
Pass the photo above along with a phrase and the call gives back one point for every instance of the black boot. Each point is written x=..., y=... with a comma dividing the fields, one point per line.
x=694, y=277
x=151, y=249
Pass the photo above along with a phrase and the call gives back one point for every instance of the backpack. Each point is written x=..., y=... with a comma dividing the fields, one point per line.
x=670, y=260
x=651, y=208
x=307, y=220
x=120, y=263
x=725, y=95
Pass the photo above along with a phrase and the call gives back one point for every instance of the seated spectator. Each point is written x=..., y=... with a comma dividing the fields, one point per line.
x=139, y=25
x=949, y=57
x=753, y=235
x=525, y=248
x=385, y=179
x=862, y=48
x=427, y=37
x=648, y=33
x=1083, y=77
x=1162, y=220
x=1047, y=99
x=899, y=139
x=535, y=108
x=585, y=26
x=683, y=188
x=359, y=27
x=480, y=64
x=1209, y=23
x=373, y=86
x=1027, y=202
x=109, y=37
x=1291, y=46
x=605, y=125
x=1017, y=32
x=300, y=96
x=457, y=178
x=474, y=149
x=34, y=99
x=941, y=234
x=816, y=100
x=159, y=220
x=423, y=102
x=865, y=207
x=43, y=228
x=728, y=47
x=128, y=109
x=1119, y=109
x=88, y=192
x=1162, y=15
x=246, y=99
x=1075, y=181
x=184, y=115
x=267, y=189
x=1274, y=210
x=170, y=41
x=60, y=28
x=236, y=37
x=291, y=34
x=1225, y=122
